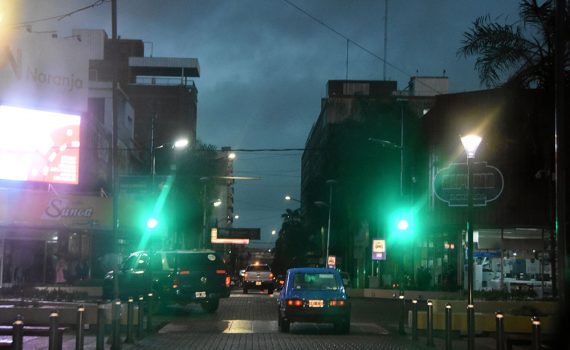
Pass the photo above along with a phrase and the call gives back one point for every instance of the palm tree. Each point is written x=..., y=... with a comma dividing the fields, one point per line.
x=522, y=51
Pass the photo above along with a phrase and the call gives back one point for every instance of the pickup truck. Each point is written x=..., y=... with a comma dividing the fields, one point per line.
x=258, y=276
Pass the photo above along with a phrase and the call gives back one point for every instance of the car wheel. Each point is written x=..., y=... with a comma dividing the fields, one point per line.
x=245, y=291
x=211, y=305
x=284, y=325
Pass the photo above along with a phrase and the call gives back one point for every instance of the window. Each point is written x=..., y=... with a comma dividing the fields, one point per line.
x=315, y=281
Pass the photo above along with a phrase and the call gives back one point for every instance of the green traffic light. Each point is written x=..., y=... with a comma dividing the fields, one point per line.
x=151, y=223
x=403, y=225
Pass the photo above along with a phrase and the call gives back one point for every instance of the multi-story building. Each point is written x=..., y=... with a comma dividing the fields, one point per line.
x=364, y=139
x=155, y=103
x=389, y=150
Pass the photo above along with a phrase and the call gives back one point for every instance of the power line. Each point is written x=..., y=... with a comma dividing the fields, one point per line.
x=62, y=16
x=345, y=37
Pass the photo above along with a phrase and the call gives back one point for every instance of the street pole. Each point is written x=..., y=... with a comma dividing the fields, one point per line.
x=204, y=208
x=330, y=183
x=470, y=143
x=470, y=325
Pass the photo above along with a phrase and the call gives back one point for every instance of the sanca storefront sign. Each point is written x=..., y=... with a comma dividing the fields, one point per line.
x=44, y=209
x=59, y=208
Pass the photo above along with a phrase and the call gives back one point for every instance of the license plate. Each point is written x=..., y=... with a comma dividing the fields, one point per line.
x=200, y=294
x=258, y=283
x=316, y=303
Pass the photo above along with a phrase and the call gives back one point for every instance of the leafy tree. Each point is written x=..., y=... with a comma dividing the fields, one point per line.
x=291, y=246
x=187, y=195
x=522, y=51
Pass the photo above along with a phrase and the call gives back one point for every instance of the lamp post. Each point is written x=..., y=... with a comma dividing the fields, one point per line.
x=470, y=144
x=330, y=183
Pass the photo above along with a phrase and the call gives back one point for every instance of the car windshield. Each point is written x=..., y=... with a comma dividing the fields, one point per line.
x=258, y=268
x=315, y=281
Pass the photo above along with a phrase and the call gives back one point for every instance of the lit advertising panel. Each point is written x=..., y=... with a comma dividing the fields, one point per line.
x=39, y=146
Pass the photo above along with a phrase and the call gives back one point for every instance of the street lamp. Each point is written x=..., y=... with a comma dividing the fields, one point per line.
x=470, y=144
x=289, y=198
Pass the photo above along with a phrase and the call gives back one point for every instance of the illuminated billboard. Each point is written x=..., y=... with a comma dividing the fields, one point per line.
x=39, y=146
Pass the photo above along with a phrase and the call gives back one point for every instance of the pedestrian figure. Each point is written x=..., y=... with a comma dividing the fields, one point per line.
x=60, y=270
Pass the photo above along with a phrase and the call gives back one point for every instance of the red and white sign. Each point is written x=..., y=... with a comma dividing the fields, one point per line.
x=39, y=146
x=331, y=263
x=216, y=240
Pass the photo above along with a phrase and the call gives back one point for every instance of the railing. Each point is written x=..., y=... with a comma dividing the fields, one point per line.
x=52, y=321
x=522, y=330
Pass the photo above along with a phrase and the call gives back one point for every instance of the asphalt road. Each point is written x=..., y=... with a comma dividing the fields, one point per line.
x=250, y=322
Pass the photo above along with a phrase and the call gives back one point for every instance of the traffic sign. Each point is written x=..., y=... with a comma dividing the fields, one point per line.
x=450, y=184
x=331, y=263
x=239, y=233
x=378, y=249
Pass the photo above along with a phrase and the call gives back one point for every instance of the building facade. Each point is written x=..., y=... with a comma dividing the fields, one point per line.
x=73, y=222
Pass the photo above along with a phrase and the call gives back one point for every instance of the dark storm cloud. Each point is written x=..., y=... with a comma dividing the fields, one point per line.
x=265, y=64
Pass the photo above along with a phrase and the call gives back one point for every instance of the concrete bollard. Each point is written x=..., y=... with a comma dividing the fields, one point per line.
x=430, y=323
x=18, y=333
x=140, y=326
x=53, y=331
x=448, y=326
x=500, y=330
x=116, y=325
x=79, y=328
x=536, y=341
x=150, y=306
x=471, y=327
x=402, y=314
x=414, y=319
x=130, y=311
x=100, y=341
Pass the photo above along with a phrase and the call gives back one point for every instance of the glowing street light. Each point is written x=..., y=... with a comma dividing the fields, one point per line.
x=289, y=198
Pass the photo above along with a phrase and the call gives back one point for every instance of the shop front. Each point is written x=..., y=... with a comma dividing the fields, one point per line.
x=48, y=238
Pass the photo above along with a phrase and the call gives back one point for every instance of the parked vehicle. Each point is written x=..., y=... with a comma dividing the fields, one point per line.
x=177, y=276
x=258, y=276
x=314, y=295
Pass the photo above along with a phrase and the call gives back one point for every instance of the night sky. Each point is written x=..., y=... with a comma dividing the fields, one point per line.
x=265, y=63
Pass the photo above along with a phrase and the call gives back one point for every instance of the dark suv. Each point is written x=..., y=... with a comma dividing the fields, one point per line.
x=176, y=276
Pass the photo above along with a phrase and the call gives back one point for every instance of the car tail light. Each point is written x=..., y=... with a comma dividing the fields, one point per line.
x=270, y=275
x=338, y=303
x=228, y=281
x=295, y=302
x=175, y=283
x=281, y=282
x=185, y=272
x=245, y=275
x=221, y=272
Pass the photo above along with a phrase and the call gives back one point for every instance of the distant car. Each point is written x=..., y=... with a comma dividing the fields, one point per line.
x=258, y=276
x=314, y=295
x=279, y=282
x=177, y=276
